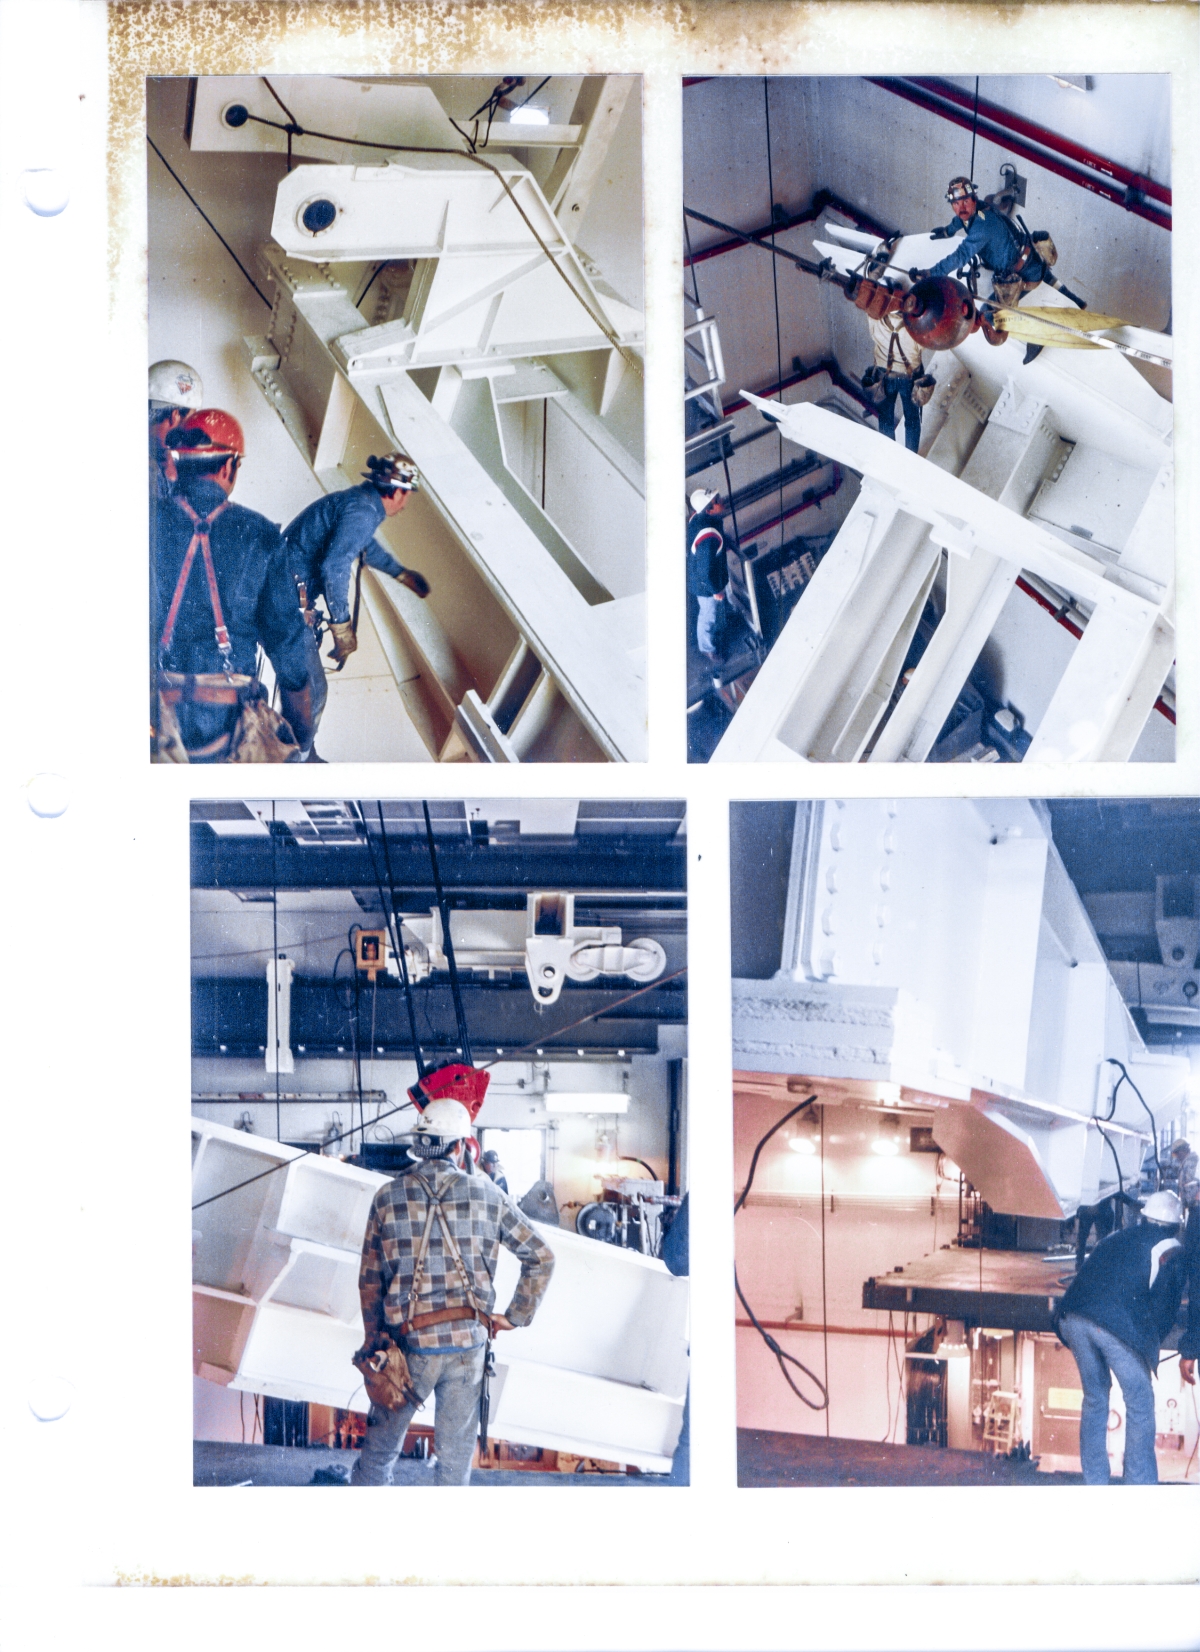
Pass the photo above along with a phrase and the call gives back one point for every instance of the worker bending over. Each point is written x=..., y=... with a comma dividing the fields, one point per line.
x=427, y=1287
x=1114, y=1317
x=327, y=544
x=221, y=590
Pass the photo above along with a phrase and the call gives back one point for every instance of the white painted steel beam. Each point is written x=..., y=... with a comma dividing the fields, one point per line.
x=939, y=946
x=841, y=629
x=600, y=1372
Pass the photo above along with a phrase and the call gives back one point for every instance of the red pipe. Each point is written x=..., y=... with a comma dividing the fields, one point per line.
x=1160, y=704
x=821, y=200
x=811, y=498
x=1049, y=140
x=827, y=366
x=1004, y=137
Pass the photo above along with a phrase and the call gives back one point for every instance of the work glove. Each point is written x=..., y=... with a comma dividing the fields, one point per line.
x=417, y=583
x=917, y=275
x=344, y=641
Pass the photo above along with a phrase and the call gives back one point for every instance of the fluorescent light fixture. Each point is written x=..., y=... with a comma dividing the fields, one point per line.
x=802, y=1144
x=585, y=1101
x=888, y=1146
x=527, y=115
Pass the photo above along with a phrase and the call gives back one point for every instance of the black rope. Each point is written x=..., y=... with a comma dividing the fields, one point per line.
x=775, y=293
x=418, y=1053
x=362, y=295
x=275, y=968
x=447, y=942
x=781, y=1354
x=627, y=356
x=974, y=125
x=1112, y=1061
x=401, y=1107
x=209, y=221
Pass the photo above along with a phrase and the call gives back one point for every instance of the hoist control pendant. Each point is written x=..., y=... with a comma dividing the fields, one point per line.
x=938, y=313
x=456, y=1082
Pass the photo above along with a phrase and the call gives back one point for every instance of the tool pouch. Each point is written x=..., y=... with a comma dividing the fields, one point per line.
x=923, y=387
x=386, y=1377
x=262, y=736
x=1044, y=247
x=876, y=300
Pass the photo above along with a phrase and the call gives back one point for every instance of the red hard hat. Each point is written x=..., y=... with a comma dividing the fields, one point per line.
x=208, y=433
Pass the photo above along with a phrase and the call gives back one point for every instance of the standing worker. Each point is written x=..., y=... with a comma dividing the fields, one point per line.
x=491, y=1166
x=427, y=1291
x=174, y=390
x=221, y=589
x=326, y=545
x=897, y=371
x=707, y=568
x=1114, y=1317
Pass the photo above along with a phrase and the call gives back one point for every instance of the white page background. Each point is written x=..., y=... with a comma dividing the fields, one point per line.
x=95, y=1210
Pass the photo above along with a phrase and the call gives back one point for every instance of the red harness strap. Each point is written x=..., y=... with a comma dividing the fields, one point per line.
x=200, y=531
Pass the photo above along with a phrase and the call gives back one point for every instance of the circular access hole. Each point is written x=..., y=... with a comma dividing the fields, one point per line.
x=235, y=115
x=318, y=215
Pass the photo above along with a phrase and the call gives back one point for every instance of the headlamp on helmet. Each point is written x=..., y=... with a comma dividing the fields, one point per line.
x=961, y=189
x=394, y=473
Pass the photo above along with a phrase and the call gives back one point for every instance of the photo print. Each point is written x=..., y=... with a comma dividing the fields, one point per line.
x=397, y=490
x=439, y=1127
x=929, y=419
x=966, y=1046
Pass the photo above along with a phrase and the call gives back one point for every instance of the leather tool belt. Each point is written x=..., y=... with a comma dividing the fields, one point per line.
x=440, y=1316
x=206, y=688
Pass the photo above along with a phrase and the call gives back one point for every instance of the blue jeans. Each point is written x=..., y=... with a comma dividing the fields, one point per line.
x=900, y=384
x=710, y=612
x=1100, y=1357
x=455, y=1378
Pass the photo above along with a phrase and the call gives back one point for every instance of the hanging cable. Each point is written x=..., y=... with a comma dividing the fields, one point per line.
x=627, y=356
x=775, y=293
x=404, y=1106
x=209, y=221
x=1116, y=1160
x=275, y=968
x=292, y=127
x=1112, y=1061
x=447, y=941
x=781, y=1354
x=397, y=930
x=824, y=1291
x=974, y=128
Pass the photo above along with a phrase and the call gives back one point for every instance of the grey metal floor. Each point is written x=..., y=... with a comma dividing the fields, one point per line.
x=222, y=1463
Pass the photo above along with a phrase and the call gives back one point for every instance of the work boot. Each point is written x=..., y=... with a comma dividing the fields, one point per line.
x=312, y=756
x=1032, y=351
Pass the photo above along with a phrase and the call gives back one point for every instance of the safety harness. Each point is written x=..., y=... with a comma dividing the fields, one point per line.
x=201, y=527
x=414, y=1321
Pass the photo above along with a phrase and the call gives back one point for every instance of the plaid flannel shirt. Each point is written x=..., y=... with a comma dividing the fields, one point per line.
x=481, y=1218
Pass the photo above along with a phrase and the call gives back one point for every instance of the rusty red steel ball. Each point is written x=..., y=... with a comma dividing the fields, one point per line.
x=938, y=312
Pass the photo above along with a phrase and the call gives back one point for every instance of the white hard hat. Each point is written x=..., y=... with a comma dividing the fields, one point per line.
x=1163, y=1208
x=447, y=1120
x=176, y=384
x=701, y=498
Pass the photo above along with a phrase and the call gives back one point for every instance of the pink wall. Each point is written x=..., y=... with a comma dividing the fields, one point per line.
x=881, y=1219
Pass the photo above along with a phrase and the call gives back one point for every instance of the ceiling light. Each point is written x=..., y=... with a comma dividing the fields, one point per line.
x=526, y=115
x=584, y=1101
x=889, y=1146
x=802, y=1144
